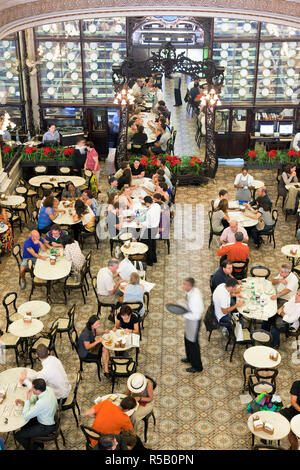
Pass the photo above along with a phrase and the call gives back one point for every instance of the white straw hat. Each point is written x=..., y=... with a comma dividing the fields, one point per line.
x=137, y=383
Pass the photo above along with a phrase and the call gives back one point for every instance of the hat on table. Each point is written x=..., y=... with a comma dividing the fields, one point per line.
x=137, y=383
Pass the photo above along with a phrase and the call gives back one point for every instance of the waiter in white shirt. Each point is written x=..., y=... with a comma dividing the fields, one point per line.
x=150, y=229
x=296, y=142
x=52, y=372
x=192, y=325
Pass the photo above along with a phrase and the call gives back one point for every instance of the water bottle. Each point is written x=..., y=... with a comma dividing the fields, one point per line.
x=28, y=137
x=117, y=251
x=262, y=306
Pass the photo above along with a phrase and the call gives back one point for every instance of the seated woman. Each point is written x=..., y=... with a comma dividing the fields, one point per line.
x=163, y=189
x=140, y=138
x=127, y=320
x=126, y=178
x=70, y=192
x=86, y=216
x=134, y=291
x=89, y=199
x=73, y=253
x=125, y=199
x=288, y=176
x=114, y=222
x=47, y=214
x=6, y=238
x=220, y=217
x=91, y=348
x=262, y=213
x=112, y=199
x=141, y=388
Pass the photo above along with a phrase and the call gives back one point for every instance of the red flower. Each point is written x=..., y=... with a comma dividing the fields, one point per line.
x=29, y=150
x=192, y=163
x=272, y=154
x=47, y=151
x=6, y=149
x=291, y=153
x=144, y=162
x=252, y=154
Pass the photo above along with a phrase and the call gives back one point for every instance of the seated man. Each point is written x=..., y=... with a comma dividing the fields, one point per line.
x=222, y=274
x=228, y=234
x=222, y=299
x=237, y=251
x=160, y=173
x=223, y=194
x=113, y=185
x=262, y=192
x=110, y=418
x=31, y=251
x=137, y=169
x=111, y=442
x=292, y=411
x=287, y=317
x=160, y=146
x=55, y=236
x=286, y=284
x=108, y=291
x=40, y=417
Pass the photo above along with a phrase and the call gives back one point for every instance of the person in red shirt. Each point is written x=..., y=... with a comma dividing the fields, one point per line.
x=110, y=418
x=237, y=251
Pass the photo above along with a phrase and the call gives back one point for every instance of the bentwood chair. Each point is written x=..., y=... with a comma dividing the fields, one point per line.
x=85, y=235
x=10, y=341
x=76, y=282
x=271, y=233
x=53, y=436
x=9, y=304
x=90, y=433
x=100, y=304
x=71, y=402
x=64, y=325
x=47, y=339
x=240, y=269
x=260, y=271
x=74, y=342
x=121, y=367
x=232, y=337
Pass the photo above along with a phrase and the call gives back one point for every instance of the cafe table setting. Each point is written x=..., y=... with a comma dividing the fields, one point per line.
x=26, y=328
x=36, y=181
x=11, y=417
x=292, y=252
x=116, y=398
x=260, y=357
x=256, y=293
x=268, y=425
x=66, y=217
x=241, y=218
x=120, y=341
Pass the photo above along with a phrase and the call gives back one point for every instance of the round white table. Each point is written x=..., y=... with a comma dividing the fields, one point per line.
x=116, y=336
x=136, y=248
x=293, y=185
x=286, y=250
x=9, y=411
x=242, y=219
x=280, y=423
x=52, y=272
x=265, y=290
x=4, y=228
x=38, y=308
x=37, y=180
x=13, y=201
x=258, y=357
x=67, y=217
x=25, y=330
x=295, y=425
x=116, y=398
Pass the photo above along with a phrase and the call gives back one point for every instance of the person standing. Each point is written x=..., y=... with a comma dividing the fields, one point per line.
x=150, y=229
x=177, y=84
x=192, y=325
x=244, y=184
x=92, y=162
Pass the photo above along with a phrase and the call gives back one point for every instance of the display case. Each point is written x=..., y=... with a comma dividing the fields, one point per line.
x=238, y=58
x=103, y=126
x=69, y=29
x=9, y=71
x=278, y=72
x=104, y=28
x=99, y=57
x=60, y=71
x=63, y=117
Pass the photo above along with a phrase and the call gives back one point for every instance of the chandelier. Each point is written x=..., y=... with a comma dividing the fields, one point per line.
x=210, y=98
x=124, y=97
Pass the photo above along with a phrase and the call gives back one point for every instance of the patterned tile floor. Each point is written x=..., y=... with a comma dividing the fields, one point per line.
x=199, y=411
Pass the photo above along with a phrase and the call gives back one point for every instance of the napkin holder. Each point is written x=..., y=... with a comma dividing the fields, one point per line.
x=258, y=424
x=268, y=428
x=52, y=259
x=27, y=318
x=127, y=245
x=52, y=179
x=293, y=252
x=273, y=356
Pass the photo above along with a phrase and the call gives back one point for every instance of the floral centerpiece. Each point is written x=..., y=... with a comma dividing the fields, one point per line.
x=7, y=153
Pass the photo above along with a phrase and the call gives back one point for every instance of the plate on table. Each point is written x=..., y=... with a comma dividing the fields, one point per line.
x=108, y=343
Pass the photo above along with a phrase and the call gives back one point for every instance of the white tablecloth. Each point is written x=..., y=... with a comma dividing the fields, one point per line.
x=37, y=180
x=265, y=290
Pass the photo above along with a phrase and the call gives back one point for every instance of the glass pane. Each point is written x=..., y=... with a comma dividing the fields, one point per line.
x=105, y=27
x=60, y=71
x=239, y=62
x=227, y=27
x=278, y=31
x=9, y=74
x=278, y=72
x=65, y=30
x=98, y=61
x=239, y=120
x=222, y=120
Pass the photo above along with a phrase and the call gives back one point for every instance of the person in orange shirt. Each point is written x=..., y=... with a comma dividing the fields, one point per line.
x=237, y=251
x=110, y=418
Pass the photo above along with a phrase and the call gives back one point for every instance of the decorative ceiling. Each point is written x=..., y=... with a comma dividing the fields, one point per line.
x=22, y=14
